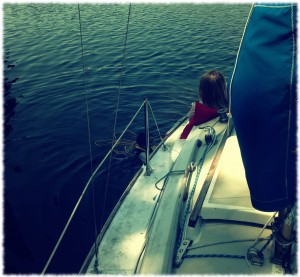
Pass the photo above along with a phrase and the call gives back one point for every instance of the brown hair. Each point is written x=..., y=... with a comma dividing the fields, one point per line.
x=212, y=90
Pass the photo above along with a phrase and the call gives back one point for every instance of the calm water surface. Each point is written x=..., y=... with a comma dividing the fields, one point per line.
x=46, y=159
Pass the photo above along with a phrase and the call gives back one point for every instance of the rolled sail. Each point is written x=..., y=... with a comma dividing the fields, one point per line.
x=262, y=92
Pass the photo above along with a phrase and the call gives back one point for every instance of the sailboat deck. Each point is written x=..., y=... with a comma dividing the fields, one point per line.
x=227, y=225
x=142, y=237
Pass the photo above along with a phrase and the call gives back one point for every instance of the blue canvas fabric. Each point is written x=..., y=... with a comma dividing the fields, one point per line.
x=262, y=92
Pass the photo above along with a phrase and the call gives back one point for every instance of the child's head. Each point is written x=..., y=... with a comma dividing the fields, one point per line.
x=212, y=90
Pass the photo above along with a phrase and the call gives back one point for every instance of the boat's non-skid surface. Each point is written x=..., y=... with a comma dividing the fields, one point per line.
x=222, y=249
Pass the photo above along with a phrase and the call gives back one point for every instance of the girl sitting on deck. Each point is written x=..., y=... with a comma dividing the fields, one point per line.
x=213, y=97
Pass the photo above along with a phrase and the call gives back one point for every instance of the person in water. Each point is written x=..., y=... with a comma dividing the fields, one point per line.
x=213, y=97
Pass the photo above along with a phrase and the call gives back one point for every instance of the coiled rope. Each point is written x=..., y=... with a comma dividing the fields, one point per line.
x=126, y=148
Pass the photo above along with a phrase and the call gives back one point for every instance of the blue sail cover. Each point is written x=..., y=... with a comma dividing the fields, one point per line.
x=262, y=92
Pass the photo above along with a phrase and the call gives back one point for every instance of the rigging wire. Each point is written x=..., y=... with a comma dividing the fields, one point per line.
x=116, y=114
x=89, y=139
x=161, y=139
x=91, y=162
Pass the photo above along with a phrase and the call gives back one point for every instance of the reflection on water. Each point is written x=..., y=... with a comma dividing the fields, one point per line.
x=9, y=101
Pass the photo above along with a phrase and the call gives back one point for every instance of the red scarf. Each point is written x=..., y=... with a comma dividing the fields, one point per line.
x=202, y=114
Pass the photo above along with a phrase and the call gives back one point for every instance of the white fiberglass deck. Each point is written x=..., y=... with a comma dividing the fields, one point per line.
x=228, y=196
